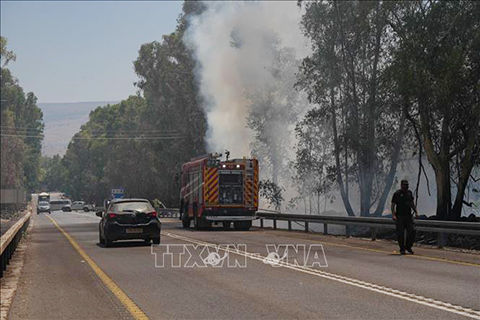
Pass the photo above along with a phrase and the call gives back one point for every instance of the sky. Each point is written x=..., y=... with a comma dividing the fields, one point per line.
x=72, y=51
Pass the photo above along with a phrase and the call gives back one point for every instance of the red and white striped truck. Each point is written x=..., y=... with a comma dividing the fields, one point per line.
x=215, y=191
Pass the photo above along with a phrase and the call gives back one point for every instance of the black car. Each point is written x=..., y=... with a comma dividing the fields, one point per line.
x=126, y=219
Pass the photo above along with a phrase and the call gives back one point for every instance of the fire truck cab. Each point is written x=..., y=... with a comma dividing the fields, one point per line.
x=214, y=191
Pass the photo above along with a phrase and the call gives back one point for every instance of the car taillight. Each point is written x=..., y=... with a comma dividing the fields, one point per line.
x=112, y=215
x=152, y=214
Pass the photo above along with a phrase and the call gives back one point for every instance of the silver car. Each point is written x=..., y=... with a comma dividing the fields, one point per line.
x=43, y=206
x=81, y=205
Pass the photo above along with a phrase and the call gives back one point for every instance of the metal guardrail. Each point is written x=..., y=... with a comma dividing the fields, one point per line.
x=162, y=212
x=441, y=227
x=168, y=212
x=10, y=239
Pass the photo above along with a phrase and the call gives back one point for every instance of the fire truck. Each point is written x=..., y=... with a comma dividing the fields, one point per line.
x=215, y=191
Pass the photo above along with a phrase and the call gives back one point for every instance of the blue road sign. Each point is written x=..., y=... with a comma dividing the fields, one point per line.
x=118, y=193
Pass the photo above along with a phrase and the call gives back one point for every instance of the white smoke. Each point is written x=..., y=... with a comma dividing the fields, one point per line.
x=226, y=71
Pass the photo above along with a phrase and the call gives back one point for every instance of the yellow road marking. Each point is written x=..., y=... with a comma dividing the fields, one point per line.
x=416, y=256
x=131, y=306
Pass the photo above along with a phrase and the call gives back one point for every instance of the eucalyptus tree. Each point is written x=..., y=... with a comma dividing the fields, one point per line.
x=314, y=171
x=437, y=64
x=273, y=109
x=344, y=76
x=166, y=71
x=21, y=130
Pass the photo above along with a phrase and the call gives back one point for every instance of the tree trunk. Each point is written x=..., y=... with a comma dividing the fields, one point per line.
x=463, y=177
x=440, y=164
x=341, y=186
x=393, y=167
x=444, y=203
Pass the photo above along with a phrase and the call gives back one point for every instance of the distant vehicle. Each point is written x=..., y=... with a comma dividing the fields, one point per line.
x=219, y=191
x=126, y=219
x=60, y=205
x=44, y=197
x=67, y=207
x=43, y=206
x=81, y=205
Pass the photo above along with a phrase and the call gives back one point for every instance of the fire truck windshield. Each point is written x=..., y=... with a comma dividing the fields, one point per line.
x=230, y=178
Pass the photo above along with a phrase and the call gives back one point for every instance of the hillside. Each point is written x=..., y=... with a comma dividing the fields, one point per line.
x=62, y=121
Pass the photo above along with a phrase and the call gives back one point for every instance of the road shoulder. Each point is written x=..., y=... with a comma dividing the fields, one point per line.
x=57, y=283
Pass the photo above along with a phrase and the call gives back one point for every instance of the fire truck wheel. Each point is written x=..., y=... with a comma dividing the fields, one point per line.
x=226, y=225
x=185, y=220
x=196, y=222
x=201, y=224
x=242, y=225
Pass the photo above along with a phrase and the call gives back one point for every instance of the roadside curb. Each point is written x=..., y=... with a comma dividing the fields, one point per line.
x=11, y=278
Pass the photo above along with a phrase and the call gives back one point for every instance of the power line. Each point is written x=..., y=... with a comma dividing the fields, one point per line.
x=20, y=136
x=130, y=138
x=101, y=138
x=121, y=130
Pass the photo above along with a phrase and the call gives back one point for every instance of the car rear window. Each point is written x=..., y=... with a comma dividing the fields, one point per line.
x=132, y=206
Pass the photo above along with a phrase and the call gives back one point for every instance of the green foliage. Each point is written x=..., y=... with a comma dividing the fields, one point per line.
x=111, y=150
x=141, y=143
x=21, y=131
x=315, y=176
x=375, y=64
x=54, y=173
x=6, y=55
x=272, y=193
x=344, y=76
x=437, y=69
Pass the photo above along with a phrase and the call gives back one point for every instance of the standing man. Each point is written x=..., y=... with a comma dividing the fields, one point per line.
x=402, y=206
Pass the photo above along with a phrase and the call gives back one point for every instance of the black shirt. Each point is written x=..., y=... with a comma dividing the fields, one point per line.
x=404, y=202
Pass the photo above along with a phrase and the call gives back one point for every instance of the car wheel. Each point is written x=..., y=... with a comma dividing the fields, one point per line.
x=86, y=209
x=156, y=240
x=147, y=241
x=108, y=242
x=100, y=239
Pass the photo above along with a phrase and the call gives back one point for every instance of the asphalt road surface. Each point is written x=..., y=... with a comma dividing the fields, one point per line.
x=69, y=275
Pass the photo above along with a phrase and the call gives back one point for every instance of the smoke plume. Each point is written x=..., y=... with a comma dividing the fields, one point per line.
x=231, y=42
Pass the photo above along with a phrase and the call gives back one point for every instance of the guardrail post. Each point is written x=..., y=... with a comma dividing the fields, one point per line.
x=261, y=223
x=441, y=240
x=325, y=228
x=374, y=234
x=306, y=226
x=347, y=230
x=289, y=225
x=275, y=224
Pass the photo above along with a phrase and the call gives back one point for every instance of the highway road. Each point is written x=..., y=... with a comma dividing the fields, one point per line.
x=67, y=274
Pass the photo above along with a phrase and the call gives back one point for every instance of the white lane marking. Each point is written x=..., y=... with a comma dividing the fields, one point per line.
x=445, y=306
